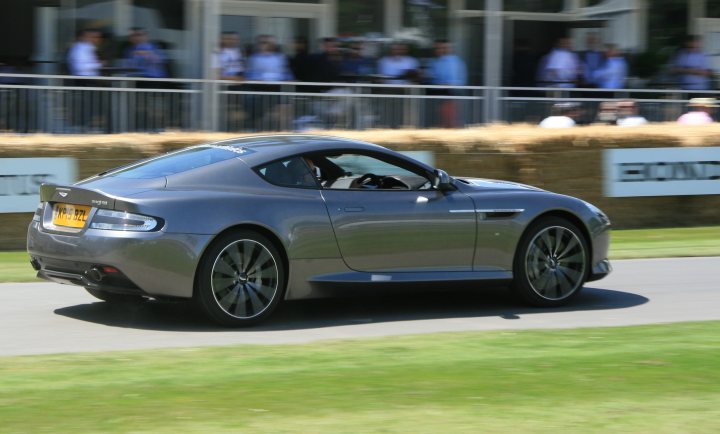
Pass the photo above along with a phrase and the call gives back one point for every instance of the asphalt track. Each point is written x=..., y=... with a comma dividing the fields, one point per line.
x=39, y=318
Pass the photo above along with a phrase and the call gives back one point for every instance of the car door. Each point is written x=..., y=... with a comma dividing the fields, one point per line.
x=399, y=229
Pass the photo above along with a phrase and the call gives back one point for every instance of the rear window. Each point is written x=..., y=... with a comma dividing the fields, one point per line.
x=177, y=162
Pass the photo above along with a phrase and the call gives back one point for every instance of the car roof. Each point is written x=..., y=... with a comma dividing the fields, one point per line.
x=271, y=147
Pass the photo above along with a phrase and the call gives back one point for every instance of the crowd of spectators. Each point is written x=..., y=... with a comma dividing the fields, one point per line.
x=337, y=61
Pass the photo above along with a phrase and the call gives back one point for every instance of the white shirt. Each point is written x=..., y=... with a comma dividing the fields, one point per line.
x=632, y=121
x=82, y=59
x=557, y=122
x=563, y=67
x=229, y=61
x=395, y=66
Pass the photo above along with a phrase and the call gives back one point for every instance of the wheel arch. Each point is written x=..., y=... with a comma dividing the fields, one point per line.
x=262, y=230
x=569, y=216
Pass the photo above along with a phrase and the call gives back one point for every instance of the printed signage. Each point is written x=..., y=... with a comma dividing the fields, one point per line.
x=661, y=172
x=20, y=180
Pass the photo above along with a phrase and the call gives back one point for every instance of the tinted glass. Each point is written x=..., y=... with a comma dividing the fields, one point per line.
x=177, y=162
x=289, y=172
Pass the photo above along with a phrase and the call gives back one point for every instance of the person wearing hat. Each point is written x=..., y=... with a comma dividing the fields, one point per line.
x=701, y=111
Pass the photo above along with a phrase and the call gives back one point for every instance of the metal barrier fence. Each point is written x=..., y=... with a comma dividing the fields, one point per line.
x=67, y=104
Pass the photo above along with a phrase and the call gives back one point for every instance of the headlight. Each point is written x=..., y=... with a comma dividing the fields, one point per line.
x=38, y=212
x=122, y=221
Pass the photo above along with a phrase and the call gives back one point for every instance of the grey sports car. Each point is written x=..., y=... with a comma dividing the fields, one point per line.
x=239, y=225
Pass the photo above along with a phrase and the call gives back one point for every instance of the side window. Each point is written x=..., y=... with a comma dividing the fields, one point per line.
x=288, y=172
x=364, y=172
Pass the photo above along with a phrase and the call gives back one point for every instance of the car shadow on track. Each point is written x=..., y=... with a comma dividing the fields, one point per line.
x=348, y=309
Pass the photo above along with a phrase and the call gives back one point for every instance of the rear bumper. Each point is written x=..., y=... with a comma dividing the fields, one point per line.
x=152, y=263
x=87, y=275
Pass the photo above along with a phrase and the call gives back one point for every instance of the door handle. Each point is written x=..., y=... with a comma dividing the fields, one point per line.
x=354, y=208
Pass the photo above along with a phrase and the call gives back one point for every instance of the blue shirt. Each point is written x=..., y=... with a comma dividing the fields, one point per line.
x=147, y=59
x=694, y=60
x=612, y=75
x=593, y=60
x=449, y=70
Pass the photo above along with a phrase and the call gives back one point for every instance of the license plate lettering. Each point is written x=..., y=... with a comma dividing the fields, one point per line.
x=69, y=215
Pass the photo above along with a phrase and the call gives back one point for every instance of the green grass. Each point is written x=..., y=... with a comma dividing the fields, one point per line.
x=15, y=267
x=675, y=242
x=628, y=243
x=649, y=379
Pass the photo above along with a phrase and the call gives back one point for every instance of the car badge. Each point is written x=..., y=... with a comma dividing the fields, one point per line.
x=62, y=193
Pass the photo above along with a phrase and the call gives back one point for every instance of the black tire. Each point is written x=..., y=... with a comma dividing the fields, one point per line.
x=551, y=263
x=241, y=279
x=113, y=297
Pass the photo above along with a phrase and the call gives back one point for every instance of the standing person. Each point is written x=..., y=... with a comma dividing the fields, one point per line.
x=268, y=111
x=82, y=58
x=301, y=63
x=701, y=112
x=692, y=66
x=592, y=59
x=267, y=64
x=229, y=62
x=613, y=73
x=83, y=61
x=327, y=62
x=144, y=56
x=524, y=64
x=398, y=67
x=562, y=67
x=357, y=65
x=449, y=70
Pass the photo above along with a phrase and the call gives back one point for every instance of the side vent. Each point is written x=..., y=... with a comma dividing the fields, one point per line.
x=495, y=214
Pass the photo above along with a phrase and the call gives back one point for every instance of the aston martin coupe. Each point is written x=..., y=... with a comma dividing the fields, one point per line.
x=240, y=225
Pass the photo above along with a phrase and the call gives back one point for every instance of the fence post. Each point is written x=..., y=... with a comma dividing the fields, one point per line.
x=493, y=56
x=209, y=106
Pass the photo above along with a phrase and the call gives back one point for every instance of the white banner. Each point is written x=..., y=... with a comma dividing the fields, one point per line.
x=20, y=180
x=661, y=171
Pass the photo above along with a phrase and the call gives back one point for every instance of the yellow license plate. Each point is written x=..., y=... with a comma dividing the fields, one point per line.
x=74, y=216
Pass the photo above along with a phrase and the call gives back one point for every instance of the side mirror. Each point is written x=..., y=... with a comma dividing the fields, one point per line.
x=442, y=181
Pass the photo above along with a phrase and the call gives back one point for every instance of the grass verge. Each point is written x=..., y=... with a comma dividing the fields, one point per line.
x=626, y=244
x=669, y=242
x=659, y=379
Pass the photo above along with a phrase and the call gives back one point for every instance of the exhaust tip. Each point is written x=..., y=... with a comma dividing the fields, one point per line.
x=95, y=274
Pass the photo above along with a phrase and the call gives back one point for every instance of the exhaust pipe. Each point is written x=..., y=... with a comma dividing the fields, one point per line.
x=95, y=274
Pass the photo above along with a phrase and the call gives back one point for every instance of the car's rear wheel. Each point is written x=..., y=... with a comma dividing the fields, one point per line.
x=551, y=263
x=113, y=297
x=241, y=279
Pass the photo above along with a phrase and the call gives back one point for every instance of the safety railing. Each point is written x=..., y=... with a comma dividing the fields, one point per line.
x=68, y=104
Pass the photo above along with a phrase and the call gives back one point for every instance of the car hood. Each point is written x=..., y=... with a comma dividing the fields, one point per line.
x=495, y=184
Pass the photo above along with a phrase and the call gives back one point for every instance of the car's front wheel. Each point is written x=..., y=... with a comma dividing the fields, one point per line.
x=241, y=279
x=551, y=263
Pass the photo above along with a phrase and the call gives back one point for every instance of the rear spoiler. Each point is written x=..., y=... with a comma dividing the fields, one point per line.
x=75, y=195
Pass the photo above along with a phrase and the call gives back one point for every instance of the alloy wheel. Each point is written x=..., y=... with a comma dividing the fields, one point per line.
x=555, y=263
x=244, y=279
